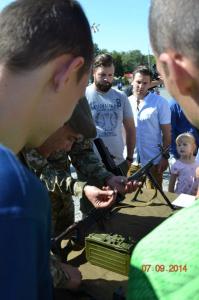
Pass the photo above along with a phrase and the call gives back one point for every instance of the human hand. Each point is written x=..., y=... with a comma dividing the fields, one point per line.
x=122, y=185
x=100, y=198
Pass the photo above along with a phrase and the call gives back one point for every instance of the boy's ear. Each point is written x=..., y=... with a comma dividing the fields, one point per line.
x=64, y=69
x=176, y=69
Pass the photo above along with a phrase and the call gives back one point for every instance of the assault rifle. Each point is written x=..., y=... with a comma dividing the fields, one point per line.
x=110, y=165
x=145, y=171
x=76, y=232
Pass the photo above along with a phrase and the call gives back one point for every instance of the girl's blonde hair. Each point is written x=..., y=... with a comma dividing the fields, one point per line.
x=187, y=136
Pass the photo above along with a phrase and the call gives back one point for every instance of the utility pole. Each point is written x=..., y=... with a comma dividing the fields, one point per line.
x=95, y=27
x=149, y=61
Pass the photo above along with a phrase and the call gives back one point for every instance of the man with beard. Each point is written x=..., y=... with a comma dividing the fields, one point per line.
x=164, y=265
x=111, y=112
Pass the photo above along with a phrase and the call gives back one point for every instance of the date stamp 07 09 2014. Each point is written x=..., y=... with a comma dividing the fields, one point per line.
x=164, y=268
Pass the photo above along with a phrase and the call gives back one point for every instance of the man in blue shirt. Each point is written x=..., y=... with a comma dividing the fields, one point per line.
x=180, y=124
x=152, y=118
x=46, y=52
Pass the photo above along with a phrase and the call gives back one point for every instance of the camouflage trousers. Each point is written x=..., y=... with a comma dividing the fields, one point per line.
x=62, y=217
x=62, y=211
x=154, y=173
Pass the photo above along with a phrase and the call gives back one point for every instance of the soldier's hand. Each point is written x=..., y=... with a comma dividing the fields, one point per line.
x=122, y=185
x=100, y=198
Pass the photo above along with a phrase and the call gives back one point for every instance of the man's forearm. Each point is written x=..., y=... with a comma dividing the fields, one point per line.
x=130, y=132
x=130, y=144
x=166, y=135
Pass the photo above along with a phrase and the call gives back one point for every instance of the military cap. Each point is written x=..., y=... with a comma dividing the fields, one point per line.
x=81, y=120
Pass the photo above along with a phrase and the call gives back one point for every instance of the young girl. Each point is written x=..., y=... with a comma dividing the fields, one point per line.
x=184, y=172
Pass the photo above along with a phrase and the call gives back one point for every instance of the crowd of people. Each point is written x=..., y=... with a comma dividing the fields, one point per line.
x=49, y=118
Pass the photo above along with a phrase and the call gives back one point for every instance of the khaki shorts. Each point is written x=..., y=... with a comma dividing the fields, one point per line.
x=154, y=173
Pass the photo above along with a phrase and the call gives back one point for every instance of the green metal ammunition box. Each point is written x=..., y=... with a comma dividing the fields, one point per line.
x=109, y=251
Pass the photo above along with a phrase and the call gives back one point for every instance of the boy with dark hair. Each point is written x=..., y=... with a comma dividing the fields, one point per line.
x=46, y=51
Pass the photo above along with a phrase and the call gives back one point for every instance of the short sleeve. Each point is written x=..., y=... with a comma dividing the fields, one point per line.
x=127, y=112
x=174, y=169
x=164, y=111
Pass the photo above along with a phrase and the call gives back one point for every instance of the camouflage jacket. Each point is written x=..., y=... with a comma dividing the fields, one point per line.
x=56, y=174
x=87, y=164
x=55, y=171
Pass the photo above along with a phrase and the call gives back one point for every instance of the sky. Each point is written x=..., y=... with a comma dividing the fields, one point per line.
x=122, y=23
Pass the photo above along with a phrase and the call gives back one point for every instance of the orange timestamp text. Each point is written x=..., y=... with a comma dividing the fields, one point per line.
x=164, y=268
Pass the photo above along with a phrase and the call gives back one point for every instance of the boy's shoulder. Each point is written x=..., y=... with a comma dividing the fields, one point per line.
x=20, y=189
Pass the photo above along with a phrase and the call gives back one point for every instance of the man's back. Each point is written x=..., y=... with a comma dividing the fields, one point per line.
x=25, y=208
x=167, y=259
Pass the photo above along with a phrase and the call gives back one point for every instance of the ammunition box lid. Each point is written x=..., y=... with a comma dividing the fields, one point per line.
x=116, y=241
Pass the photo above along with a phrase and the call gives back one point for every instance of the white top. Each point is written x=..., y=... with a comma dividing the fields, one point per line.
x=187, y=182
x=148, y=116
x=109, y=110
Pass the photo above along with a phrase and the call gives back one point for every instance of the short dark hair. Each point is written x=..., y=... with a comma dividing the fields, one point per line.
x=144, y=70
x=174, y=24
x=33, y=32
x=103, y=60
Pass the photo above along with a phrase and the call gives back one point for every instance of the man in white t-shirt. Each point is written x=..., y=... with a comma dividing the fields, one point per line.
x=111, y=112
x=152, y=119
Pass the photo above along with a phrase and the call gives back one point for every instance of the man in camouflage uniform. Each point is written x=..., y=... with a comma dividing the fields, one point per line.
x=53, y=168
x=55, y=172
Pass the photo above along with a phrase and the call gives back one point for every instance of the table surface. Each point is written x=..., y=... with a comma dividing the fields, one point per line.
x=129, y=218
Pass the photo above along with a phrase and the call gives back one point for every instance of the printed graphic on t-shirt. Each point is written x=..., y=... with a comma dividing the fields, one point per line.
x=107, y=122
x=106, y=117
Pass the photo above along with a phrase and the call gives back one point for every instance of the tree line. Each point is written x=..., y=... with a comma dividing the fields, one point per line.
x=126, y=62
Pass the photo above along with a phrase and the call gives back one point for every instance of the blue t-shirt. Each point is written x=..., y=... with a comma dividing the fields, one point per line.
x=24, y=232
x=180, y=124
